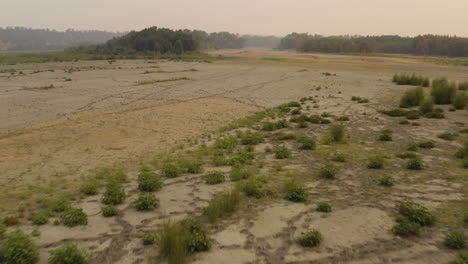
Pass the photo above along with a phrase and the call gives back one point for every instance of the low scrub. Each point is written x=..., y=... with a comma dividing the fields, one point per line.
x=386, y=181
x=69, y=253
x=170, y=170
x=324, y=207
x=386, y=135
x=307, y=143
x=149, y=238
x=427, y=106
x=222, y=205
x=376, y=162
x=40, y=218
x=178, y=240
x=455, y=240
x=414, y=164
x=443, y=91
x=89, y=188
x=18, y=248
x=282, y=152
x=447, y=136
x=416, y=213
x=110, y=210
x=405, y=227
x=271, y=126
x=214, y=177
x=294, y=191
x=114, y=194
x=463, y=86
x=254, y=187
x=148, y=181
x=240, y=173
x=406, y=79
x=339, y=157
x=426, y=144
x=310, y=238
x=462, y=258
x=328, y=171
x=228, y=143
x=285, y=136
x=146, y=202
x=460, y=101
x=337, y=132
x=412, y=97
x=251, y=138
x=74, y=217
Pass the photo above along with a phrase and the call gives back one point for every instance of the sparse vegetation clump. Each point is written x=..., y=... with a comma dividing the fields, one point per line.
x=18, y=248
x=148, y=181
x=254, y=187
x=146, y=202
x=40, y=218
x=426, y=106
x=386, y=181
x=414, y=164
x=376, y=162
x=114, y=194
x=251, y=138
x=311, y=238
x=463, y=86
x=110, y=210
x=294, y=191
x=328, y=171
x=406, y=227
x=443, y=91
x=228, y=143
x=426, y=144
x=460, y=101
x=149, y=238
x=282, y=152
x=386, y=135
x=214, y=177
x=285, y=136
x=455, y=240
x=447, y=136
x=69, y=253
x=90, y=188
x=324, y=207
x=222, y=205
x=462, y=258
x=240, y=173
x=74, y=217
x=307, y=143
x=178, y=240
x=170, y=170
x=339, y=157
x=406, y=79
x=338, y=132
x=271, y=126
x=412, y=97
x=416, y=213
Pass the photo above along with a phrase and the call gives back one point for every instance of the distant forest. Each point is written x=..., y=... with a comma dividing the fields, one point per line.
x=20, y=38
x=421, y=45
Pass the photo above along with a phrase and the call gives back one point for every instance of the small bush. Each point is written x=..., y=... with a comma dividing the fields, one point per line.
x=74, y=217
x=426, y=144
x=239, y=173
x=222, y=205
x=460, y=101
x=328, y=171
x=69, y=253
x=447, y=136
x=191, y=166
x=386, y=135
x=311, y=238
x=40, y=218
x=89, y=188
x=117, y=176
x=110, y=210
x=386, y=181
x=404, y=122
x=455, y=240
x=442, y=91
x=324, y=207
x=296, y=112
x=339, y=157
x=406, y=79
x=149, y=238
x=228, y=143
x=307, y=143
x=10, y=220
x=412, y=97
x=18, y=248
x=414, y=164
x=282, y=152
x=219, y=159
x=416, y=213
x=376, y=162
x=407, y=155
x=294, y=191
x=293, y=104
x=412, y=146
x=285, y=136
x=438, y=113
x=35, y=233
x=214, y=177
x=394, y=112
x=148, y=181
x=462, y=258
x=413, y=115
x=61, y=204
x=170, y=170
x=254, y=186
x=114, y=194
x=146, y=202
x=427, y=106
x=462, y=153
x=251, y=138
x=337, y=132
x=405, y=227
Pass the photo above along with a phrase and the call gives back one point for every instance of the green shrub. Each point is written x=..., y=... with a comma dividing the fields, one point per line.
x=35, y=233
x=407, y=155
x=114, y=194
x=148, y=181
x=222, y=205
x=406, y=79
x=18, y=248
x=89, y=188
x=460, y=101
x=412, y=146
x=118, y=176
x=146, y=202
x=251, y=138
x=394, y=112
x=296, y=112
x=294, y=191
x=455, y=240
x=229, y=143
x=293, y=104
x=463, y=86
x=190, y=166
x=177, y=240
x=239, y=173
x=426, y=144
x=447, y=136
x=307, y=143
x=328, y=171
x=363, y=100
x=427, y=106
x=404, y=122
x=416, y=213
x=282, y=152
x=311, y=238
x=405, y=227
x=376, y=162
x=110, y=210
x=315, y=119
x=2, y=231
x=285, y=136
x=149, y=238
x=61, y=204
x=40, y=218
x=442, y=91
x=170, y=170
x=412, y=97
x=414, y=164
x=10, y=220
x=243, y=156
x=324, y=207
x=271, y=126
x=214, y=177
x=437, y=113
x=462, y=153
x=339, y=157
x=219, y=159
x=387, y=181
x=69, y=253
x=337, y=132
x=462, y=258
x=74, y=217
x=254, y=186
x=386, y=135
x=413, y=115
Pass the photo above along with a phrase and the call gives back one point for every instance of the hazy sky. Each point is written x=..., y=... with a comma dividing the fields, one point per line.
x=263, y=17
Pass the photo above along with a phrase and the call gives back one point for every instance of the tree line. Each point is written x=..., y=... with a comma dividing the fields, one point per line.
x=437, y=45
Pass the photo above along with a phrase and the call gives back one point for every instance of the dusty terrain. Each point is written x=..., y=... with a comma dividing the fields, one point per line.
x=104, y=115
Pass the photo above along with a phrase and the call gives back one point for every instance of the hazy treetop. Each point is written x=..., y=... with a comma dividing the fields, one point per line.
x=261, y=17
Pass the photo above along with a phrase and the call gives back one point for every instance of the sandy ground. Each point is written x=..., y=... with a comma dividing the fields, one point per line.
x=51, y=136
